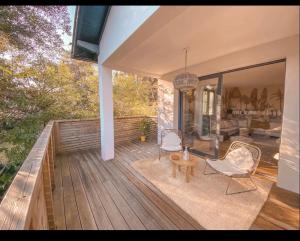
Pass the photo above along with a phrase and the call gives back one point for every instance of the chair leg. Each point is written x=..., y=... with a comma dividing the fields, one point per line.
x=210, y=173
x=248, y=190
x=159, y=154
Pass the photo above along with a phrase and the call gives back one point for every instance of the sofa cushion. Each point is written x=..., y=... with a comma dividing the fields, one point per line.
x=230, y=131
x=260, y=124
x=225, y=124
x=275, y=125
x=259, y=131
x=274, y=132
x=243, y=123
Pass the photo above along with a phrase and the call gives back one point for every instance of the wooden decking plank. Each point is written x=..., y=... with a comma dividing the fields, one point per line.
x=98, y=210
x=85, y=213
x=184, y=224
x=171, y=205
x=158, y=215
x=169, y=202
x=70, y=205
x=147, y=203
x=131, y=219
x=144, y=216
x=58, y=197
x=263, y=224
x=157, y=200
x=112, y=211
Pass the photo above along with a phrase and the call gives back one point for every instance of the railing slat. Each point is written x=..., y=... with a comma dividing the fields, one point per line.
x=16, y=206
x=28, y=203
x=48, y=191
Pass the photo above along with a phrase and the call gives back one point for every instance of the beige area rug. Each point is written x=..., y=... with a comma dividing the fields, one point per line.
x=204, y=197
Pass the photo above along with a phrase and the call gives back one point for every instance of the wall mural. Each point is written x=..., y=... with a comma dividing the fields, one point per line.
x=253, y=99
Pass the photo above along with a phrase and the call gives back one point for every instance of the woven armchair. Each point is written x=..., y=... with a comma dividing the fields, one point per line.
x=227, y=167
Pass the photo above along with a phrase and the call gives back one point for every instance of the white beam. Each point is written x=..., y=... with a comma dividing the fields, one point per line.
x=106, y=112
x=89, y=46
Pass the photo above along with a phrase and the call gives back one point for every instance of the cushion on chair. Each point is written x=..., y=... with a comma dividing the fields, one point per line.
x=171, y=139
x=171, y=148
x=240, y=158
x=225, y=167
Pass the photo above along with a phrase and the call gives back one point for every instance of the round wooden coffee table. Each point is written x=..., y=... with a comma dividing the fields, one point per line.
x=178, y=162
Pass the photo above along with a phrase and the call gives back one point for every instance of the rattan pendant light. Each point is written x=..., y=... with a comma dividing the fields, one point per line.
x=185, y=81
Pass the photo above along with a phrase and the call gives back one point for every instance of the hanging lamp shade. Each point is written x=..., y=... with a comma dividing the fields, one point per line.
x=185, y=81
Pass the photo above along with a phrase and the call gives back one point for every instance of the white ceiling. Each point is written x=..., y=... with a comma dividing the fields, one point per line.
x=209, y=32
x=273, y=74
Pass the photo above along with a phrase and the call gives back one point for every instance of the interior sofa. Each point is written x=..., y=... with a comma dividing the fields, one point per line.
x=229, y=128
x=265, y=128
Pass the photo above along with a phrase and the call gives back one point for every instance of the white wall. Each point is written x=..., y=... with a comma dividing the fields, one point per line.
x=122, y=21
x=165, y=112
x=288, y=173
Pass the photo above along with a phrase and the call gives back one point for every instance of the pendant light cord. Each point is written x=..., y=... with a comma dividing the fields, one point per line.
x=185, y=60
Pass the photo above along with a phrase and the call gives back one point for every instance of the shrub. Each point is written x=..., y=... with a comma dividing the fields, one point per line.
x=145, y=126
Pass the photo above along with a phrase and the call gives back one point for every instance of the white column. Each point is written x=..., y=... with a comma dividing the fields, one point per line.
x=288, y=165
x=165, y=106
x=106, y=112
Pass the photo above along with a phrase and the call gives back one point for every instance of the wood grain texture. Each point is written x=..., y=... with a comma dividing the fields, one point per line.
x=92, y=194
x=143, y=206
x=76, y=135
x=117, y=198
x=28, y=201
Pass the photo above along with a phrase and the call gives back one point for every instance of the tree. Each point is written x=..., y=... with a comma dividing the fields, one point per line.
x=134, y=95
x=33, y=29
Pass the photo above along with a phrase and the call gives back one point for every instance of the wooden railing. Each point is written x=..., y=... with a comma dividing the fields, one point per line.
x=74, y=135
x=28, y=203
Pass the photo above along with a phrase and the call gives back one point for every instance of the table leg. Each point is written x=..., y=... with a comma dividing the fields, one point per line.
x=174, y=170
x=187, y=177
x=192, y=171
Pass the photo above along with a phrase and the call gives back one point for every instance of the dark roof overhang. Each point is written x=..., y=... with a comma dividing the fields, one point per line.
x=89, y=24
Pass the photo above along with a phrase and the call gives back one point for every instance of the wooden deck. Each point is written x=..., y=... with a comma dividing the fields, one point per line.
x=92, y=194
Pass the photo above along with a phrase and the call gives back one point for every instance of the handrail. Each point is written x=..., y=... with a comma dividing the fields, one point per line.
x=28, y=202
x=97, y=118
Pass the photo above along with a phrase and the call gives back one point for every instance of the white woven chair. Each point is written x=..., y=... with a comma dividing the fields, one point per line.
x=171, y=141
x=240, y=161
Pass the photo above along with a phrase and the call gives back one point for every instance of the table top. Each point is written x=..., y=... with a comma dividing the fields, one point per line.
x=177, y=159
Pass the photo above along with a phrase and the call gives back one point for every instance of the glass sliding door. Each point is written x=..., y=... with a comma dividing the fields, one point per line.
x=200, y=116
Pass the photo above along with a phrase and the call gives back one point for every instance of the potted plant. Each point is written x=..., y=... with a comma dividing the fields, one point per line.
x=144, y=127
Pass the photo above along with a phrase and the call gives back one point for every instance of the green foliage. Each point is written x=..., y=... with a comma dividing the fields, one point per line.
x=145, y=126
x=36, y=88
x=33, y=28
x=134, y=95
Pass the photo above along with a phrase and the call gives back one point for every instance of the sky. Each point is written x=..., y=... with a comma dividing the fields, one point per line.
x=68, y=39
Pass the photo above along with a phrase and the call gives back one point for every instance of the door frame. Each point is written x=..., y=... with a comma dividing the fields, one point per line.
x=219, y=75
x=218, y=98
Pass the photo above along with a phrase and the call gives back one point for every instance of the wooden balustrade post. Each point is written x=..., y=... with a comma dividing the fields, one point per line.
x=48, y=191
x=51, y=161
